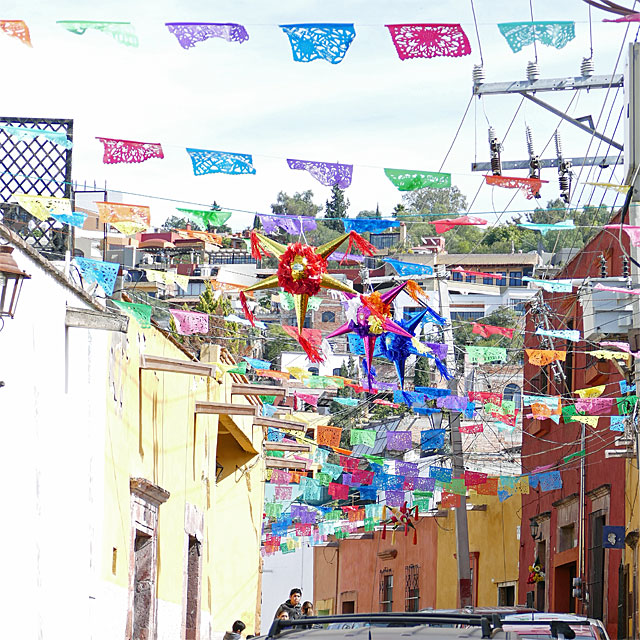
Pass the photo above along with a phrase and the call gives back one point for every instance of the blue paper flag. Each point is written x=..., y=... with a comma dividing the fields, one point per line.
x=373, y=225
x=205, y=161
x=617, y=423
x=432, y=439
x=626, y=388
x=75, y=219
x=319, y=41
x=258, y=364
x=104, y=273
x=409, y=268
x=433, y=392
x=356, y=345
x=268, y=410
x=443, y=474
x=368, y=493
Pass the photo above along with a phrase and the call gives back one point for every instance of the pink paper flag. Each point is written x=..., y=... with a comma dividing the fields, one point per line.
x=595, y=406
x=338, y=491
x=308, y=398
x=473, y=478
x=190, y=322
x=601, y=287
x=471, y=428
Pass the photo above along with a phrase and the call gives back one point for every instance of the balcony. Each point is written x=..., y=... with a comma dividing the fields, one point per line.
x=605, y=313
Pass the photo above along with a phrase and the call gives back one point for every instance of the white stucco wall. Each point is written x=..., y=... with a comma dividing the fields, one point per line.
x=53, y=439
x=281, y=573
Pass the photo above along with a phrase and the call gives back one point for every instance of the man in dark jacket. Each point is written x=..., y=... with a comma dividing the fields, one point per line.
x=292, y=606
x=236, y=631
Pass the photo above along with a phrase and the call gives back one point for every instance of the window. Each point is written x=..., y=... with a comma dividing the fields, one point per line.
x=407, y=312
x=386, y=590
x=503, y=281
x=506, y=595
x=412, y=588
x=470, y=278
x=348, y=606
x=467, y=315
x=515, y=279
x=336, y=372
x=487, y=280
x=314, y=370
x=567, y=537
x=456, y=275
x=307, y=322
x=517, y=305
x=384, y=240
x=328, y=316
x=512, y=392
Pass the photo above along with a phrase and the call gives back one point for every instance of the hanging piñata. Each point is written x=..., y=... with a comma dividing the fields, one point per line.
x=370, y=315
x=302, y=272
x=400, y=518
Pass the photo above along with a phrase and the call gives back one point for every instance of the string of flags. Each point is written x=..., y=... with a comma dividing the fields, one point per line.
x=326, y=40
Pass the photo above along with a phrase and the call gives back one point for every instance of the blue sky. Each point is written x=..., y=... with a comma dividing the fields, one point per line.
x=372, y=110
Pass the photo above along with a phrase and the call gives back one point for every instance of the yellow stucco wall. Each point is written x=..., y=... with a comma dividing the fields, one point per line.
x=163, y=441
x=492, y=533
x=632, y=523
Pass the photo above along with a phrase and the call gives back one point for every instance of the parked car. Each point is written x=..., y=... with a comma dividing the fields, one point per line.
x=528, y=625
x=433, y=625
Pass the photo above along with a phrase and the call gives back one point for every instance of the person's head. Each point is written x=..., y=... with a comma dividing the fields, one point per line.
x=295, y=595
x=307, y=608
x=238, y=626
x=282, y=614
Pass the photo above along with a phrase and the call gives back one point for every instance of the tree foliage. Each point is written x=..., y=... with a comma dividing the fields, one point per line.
x=336, y=208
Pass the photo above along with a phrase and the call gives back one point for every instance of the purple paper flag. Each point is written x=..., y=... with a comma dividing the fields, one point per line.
x=394, y=498
x=290, y=224
x=456, y=403
x=439, y=349
x=407, y=469
x=424, y=484
x=189, y=33
x=327, y=173
x=399, y=440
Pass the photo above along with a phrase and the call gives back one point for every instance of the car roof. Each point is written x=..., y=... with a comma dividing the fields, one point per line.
x=394, y=633
x=543, y=616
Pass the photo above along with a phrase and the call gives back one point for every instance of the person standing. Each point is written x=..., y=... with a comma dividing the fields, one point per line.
x=292, y=606
x=236, y=631
x=307, y=610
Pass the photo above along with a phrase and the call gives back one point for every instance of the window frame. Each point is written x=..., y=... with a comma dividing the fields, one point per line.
x=385, y=590
x=412, y=588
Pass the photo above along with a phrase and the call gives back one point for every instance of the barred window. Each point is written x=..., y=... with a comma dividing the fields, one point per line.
x=328, y=316
x=412, y=587
x=386, y=590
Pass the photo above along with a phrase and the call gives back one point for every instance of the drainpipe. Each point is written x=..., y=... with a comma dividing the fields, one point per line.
x=335, y=600
x=582, y=515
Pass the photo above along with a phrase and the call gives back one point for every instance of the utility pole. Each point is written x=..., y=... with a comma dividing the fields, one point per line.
x=632, y=165
x=457, y=459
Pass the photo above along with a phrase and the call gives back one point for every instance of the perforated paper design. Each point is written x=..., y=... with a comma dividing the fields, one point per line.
x=541, y=357
x=117, y=151
x=326, y=173
x=338, y=491
x=471, y=428
x=104, y=273
x=394, y=498
x=121, y=32
x=407, y=180
x=529, y=186
x=141, y=313
x=319, y=41
x=482, y=355
x=473, y=478
x=366, y=437
x=205, y=161
x=398, y=440
x=551, y=34
x=279, y=476
x=283, y=493
x=289, y=224
x=42, y=207
x=409, y=268
x=213, y=218
x=329, y=436
x=127, y=218
x=25, y=133
x=190, y=322
x=189, y=34
x=429, y=40
x=17, y=29
x=549, y=481
x=441, y=474
x=488, y=488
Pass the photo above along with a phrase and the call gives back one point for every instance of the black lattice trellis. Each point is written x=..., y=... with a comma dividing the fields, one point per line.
x=36, y=166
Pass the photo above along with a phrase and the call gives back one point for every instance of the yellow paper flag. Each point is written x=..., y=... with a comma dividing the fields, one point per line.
x=591, y=392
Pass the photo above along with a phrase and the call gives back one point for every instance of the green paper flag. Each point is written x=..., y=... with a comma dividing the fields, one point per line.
x=349, y=402
x=482, y=355
x=241, y=368
x=406, y=180
x=209, y=218
x=141, y=313
x=267, y=399
x=508, y=407
x=577, y=454
x=366, y=437
x=374, y=459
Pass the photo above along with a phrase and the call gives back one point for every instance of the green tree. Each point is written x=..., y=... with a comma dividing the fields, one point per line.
x=277, y=341
x=502, y=317
x=370, y=214
x=175, y=222
x=299, y=204
x=336, y=208
x=422, y=204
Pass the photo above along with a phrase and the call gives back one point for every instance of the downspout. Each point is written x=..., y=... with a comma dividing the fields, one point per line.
x=581, y=515
x=335, y=600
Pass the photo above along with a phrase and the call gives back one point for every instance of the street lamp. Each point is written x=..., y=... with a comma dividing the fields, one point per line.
x=534, y=527
x=11, y=278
